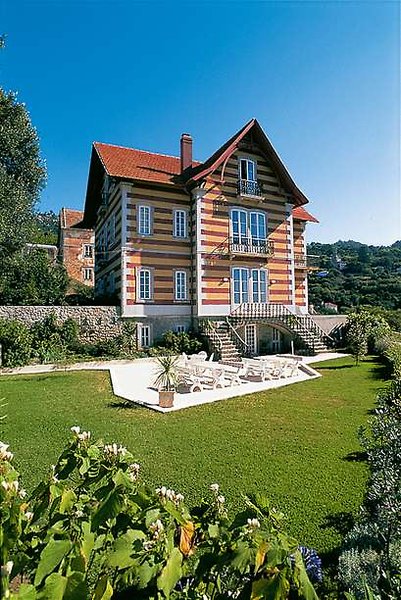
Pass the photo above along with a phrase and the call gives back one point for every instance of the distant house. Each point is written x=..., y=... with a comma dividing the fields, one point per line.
x=217, y=245
x=76, y=246
x=50, y=249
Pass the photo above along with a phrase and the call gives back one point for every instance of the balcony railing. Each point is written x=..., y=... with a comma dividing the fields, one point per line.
x=256, y=246
x=249, y=188
x=303, y=261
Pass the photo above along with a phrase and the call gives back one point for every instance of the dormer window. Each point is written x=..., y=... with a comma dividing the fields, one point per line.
x=247, y=169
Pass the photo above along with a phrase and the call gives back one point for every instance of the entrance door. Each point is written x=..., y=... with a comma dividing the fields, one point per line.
x=251, y=338
x=276, y=341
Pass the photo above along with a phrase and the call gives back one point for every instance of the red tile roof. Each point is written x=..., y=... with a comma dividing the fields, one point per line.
x=130, y=163
x=301, y=214
x=69, y=217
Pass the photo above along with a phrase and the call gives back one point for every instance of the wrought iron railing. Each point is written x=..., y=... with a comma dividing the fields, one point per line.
x=244, y=348
x=302, y=325
x=242, y=245
x=249, y=188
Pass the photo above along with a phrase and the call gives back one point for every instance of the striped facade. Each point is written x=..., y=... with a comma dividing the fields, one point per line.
x=142, y=261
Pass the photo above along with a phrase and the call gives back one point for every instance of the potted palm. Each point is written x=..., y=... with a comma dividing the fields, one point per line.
x=166, y=379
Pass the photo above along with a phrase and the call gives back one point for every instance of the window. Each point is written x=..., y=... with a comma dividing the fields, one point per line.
x=240, y=280
x=257, y=226
x=259, y=288
x=249, y=285
x=247, y=169
x=112, y=226
x=112, y=283
x=88, y=250
x=144, y=336
x=144, y=220
x=180, y=285
x=88, y=274
x=248, y=228
x=145, y=284
x=180, y=223
x=180, y=329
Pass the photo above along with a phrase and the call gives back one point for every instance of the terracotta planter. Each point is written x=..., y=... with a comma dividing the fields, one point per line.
x=166, y=399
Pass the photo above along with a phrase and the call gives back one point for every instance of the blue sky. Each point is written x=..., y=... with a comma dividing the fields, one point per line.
x=322, y=78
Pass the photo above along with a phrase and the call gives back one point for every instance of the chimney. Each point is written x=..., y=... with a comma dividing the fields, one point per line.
x=186, y=151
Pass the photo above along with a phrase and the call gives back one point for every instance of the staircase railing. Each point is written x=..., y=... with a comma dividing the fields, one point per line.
x=209, y=329
x=303, y=325
x=244, y=348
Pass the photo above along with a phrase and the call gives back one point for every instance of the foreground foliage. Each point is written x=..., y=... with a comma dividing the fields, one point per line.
x=93, y=530
x=370, y=565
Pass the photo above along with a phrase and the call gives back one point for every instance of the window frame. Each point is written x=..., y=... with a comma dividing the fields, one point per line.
x=142, y=328
x=84, y=252
x=85, y=271
x=247, y=238
x=176, y=295
x=138, y=283
x=176, y=234
x=248, y=161
x=150, y=228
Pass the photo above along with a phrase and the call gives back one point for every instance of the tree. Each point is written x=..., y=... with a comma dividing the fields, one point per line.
x=45, y=228
x=22, y=174
x=32, y=278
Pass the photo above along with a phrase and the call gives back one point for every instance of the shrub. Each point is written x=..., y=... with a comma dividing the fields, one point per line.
x=180, y=342
x=47, y=342
x=93, y=529
x=15, y=340
x=372, y=550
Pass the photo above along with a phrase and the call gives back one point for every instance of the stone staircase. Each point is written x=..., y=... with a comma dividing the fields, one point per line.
x=302, y=327
x=220, y=341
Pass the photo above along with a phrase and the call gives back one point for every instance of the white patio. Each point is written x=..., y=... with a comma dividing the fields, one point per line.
x=134, y=381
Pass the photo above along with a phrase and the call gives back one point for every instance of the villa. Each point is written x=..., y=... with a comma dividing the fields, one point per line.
x=217, y=245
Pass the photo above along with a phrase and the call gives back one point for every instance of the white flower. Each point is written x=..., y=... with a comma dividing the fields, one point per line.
x=4, y=453
x=253, y=523
x=133, y=471
x=29, y=515
x=7, y=568
x=22, y=493
x=79, y=514
x=76, y=430
x=54, y=474
x=156, y=528
x=220, y=499
x=112, y=451
x=167, y=494
x=148, y=545
x=215, y=487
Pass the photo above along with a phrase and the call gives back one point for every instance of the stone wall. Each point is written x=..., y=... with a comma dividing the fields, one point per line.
x=95, y=322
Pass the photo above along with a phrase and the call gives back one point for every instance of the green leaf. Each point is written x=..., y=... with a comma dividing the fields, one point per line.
x=88, y=541
x=103, y=590
x=120, y=557
x=213, y=530
x=54, y=587
x=68, y=500
x=171, y=573
x=26, y=592
x=243, y=557
x=51, y=556
x=274, y=588
x=84, y=468
x=145, y=573
x=300, y=575
x=77, y=587
x=108, y=509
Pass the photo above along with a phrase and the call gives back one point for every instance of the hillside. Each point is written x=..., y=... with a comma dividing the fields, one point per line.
x=351, y=274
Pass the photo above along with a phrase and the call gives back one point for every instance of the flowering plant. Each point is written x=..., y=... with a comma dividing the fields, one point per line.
x=93, y=530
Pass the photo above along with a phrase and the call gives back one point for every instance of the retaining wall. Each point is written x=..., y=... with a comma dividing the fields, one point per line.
x=95, y=322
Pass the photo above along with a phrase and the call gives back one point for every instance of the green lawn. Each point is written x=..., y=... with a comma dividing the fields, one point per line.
x=294, y=444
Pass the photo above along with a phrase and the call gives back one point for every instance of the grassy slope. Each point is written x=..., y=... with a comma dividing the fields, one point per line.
x=289, y=443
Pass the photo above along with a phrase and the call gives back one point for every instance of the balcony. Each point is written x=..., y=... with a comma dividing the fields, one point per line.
x=251, y=246
x=249, y=188
x=303, y=261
